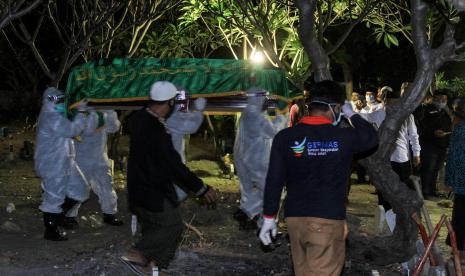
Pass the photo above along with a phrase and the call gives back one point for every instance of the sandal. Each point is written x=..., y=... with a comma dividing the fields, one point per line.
x=135, y=267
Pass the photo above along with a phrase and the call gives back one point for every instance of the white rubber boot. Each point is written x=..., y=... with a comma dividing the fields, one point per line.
x=391, y=220
x=380, y=217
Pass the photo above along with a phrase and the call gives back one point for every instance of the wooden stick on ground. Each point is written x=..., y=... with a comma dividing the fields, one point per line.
x=193, y=228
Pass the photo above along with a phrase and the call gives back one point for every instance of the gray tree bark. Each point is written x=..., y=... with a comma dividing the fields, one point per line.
x=406, y=204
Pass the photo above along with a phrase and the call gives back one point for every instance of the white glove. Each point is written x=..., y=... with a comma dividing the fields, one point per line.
x=347, y=110
x=200, y=104
x=269, y=225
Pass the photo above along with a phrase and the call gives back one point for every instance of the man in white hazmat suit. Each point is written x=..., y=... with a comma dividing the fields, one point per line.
x=62, y=181
x=183, y=122
x=251, y=156
x=92, y=158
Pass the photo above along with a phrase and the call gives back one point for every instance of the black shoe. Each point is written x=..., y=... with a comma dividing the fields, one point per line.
x=52, y=232
x=70, y=223
x=248, y=224
x=112, y=220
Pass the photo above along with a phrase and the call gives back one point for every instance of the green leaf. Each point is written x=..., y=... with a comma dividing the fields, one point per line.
x=393, y=39
x=386, y=41
x=378, y=37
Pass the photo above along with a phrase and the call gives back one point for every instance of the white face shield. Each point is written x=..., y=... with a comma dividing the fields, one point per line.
x=336, y=118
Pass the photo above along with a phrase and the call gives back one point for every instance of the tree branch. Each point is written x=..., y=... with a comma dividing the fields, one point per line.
x=35, y=52
x=11, y=16
x=352, y=25
x=309, y=39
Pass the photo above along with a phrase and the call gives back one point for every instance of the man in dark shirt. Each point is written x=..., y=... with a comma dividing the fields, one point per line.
x=153, y=166
x=313, y=160
x=435, y=129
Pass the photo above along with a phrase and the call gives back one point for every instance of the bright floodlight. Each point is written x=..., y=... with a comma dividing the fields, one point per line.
x=257, y=57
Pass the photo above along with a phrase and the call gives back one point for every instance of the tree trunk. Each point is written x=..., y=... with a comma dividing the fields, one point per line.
x=348, y=79
x=309, y=39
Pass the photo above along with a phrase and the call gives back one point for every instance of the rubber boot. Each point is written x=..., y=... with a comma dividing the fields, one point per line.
x=112, y=220
x=69, y=223
x=380, y=218
x=52, y=232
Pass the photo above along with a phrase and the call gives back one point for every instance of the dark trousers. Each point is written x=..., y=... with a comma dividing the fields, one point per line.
x=403, y=170
x=458, y=221
x=361, y=173
x=161, y=233
x=432, y=160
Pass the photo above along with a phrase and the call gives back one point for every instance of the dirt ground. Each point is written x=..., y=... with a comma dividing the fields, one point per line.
x=93, y=249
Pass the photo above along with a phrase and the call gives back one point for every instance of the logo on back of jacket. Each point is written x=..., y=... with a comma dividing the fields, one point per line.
x=314, y=148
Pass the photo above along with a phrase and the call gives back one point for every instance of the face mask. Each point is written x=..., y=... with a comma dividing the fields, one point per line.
x=370, y=99
x=60, y=108
x=339, y=116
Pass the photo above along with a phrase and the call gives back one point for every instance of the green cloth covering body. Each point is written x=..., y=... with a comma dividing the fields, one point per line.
x=129, y=80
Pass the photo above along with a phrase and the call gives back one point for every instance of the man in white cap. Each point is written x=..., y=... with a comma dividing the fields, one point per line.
x=153, y=167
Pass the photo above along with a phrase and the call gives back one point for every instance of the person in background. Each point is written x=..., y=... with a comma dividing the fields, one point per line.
x=154, y=166
x=455, y=178
x=92, y=158
x=401, y=161
x=354, y=97
x=63, y=184
x=382, y=94
x=457, y=102
x=435, y=130
x=419, y=112
x=357, y=103
x=313, y=161
x=371, y=104
x=251, y=156
x=298, y=109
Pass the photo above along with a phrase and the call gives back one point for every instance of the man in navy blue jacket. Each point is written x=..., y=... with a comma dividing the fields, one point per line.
x=313, y=160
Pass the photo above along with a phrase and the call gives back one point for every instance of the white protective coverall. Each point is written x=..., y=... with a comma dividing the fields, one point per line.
x=54, y=157
x=182, y=123
x=92, y=158
x=252, y=151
